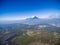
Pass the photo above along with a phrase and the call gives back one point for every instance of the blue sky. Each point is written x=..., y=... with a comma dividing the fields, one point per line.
x=19, y=9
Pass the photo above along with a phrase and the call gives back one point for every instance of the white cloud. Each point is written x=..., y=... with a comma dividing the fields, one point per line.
x=21, y=16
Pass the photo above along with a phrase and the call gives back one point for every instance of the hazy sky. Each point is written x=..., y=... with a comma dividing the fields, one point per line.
x=20, y=9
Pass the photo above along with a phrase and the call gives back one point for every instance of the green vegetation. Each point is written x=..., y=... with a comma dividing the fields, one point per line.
x=48, y=38
x=24, y=40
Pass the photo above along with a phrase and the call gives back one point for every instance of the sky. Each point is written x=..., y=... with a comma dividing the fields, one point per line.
x=21, y=9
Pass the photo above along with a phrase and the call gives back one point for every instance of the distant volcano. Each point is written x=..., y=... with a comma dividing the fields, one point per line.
x=32, y=21
x=35, y=17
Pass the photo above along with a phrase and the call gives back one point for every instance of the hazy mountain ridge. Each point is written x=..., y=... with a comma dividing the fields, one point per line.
x=35, y=20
